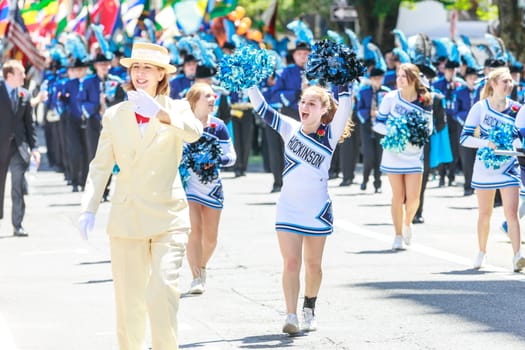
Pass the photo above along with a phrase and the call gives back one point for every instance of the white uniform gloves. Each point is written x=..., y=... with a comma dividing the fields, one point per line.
x=144, y=104
x=86, y=222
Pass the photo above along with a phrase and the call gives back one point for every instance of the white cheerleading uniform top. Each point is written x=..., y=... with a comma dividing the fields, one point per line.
x=483, y=116
x=411, y=159
x=304, y=206
x=211, y=194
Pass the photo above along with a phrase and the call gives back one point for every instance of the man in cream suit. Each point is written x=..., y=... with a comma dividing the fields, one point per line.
x=149, y=221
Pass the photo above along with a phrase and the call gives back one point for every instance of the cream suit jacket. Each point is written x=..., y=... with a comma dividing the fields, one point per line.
x=149, y=198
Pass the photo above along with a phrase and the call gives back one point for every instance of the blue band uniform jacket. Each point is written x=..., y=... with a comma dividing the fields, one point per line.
x=149, y=198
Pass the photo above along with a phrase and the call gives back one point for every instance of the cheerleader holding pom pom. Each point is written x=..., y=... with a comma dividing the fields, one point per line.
x=496, y=116
x=405, y=117
x=309, y=146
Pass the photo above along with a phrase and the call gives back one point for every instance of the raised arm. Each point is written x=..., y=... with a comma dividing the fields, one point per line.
x=282, y=124
x=344, y=111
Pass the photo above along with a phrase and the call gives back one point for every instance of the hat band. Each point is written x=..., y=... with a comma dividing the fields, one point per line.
x=150, y=55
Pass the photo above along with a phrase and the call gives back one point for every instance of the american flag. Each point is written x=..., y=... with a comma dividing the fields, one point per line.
x=17, y=34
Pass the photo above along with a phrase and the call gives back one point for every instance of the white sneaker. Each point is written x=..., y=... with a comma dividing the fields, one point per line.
x=398, y=243
x=197, y=287
x=310, y=323
x=407, y=234
x=518, y=262
x=291, y=325
x=480, y=261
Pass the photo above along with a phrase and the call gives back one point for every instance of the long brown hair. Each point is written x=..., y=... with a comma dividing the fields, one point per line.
x=492, y=77
x=412, y=73
x=163, y=88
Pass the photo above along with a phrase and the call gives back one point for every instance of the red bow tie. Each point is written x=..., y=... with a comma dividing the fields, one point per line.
x=141, y=119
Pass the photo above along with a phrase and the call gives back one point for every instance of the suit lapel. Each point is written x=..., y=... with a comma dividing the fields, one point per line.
x=129, y=123
x=149, y=135
x=5, y=96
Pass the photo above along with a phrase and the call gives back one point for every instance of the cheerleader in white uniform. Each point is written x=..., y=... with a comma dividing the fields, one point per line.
x=205, y=198
x=404, y=169
x=304, y=209
x=494, y=109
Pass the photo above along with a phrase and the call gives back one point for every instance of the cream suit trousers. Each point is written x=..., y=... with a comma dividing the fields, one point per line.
x=146, y=278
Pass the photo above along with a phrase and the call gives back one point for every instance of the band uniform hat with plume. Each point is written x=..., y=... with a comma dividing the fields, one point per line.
x=151, y=54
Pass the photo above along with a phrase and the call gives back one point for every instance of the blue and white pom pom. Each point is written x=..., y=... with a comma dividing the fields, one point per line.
x=247, y=67
x=333, y=63
x=397, y=134
x=418, y=129
x=501, y=136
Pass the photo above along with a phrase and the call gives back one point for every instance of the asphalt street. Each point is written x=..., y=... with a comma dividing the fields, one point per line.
x=56, y=290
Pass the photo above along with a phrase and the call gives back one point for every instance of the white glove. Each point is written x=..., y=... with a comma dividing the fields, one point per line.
x=144, y=104
x=86, y=222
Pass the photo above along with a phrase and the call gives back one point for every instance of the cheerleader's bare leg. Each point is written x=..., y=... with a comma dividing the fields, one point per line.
x=313, y=257
x=291, y=246
x=412, y=191
x=397, y=183
x=510, y=198
x=486, y=205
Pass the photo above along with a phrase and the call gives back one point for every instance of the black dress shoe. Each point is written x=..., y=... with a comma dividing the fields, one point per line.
x=238, y=173
x=468, y=192
x=332, y=176
x=451, y=183
x=275, y=189
x=363, y=186
x=418, y=220
x=346, y=182
x=20, y=232
x=378, y=190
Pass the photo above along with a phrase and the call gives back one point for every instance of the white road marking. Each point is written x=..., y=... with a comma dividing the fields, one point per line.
x=428, y=251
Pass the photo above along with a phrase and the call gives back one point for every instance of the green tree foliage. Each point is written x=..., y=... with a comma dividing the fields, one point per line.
x=379, y=17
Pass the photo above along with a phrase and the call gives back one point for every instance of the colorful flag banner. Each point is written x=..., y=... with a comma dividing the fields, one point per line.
x=4, y=16
x=39, y=14
x=17, y=34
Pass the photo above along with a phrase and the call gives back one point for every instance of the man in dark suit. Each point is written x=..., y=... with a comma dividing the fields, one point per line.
x=18, y=141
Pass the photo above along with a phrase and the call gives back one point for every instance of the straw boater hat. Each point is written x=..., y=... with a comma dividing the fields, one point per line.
x=149, y=53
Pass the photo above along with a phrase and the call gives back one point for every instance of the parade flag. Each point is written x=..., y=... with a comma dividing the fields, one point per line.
x=17, y=34
x=4, y=16
x=61, y=18
x=105, y=13
x=131, y=11
x=269, y=17
x=39, y=14
x=223, y=8
x=78, y=24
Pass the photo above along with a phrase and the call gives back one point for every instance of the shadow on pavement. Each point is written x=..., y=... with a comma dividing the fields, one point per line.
x=379, y=224
x=95, y=262
x=466, y=272
x=482, y=302
x=384, y=251
x=262, y=203
x=95, y=281
x=269, y=341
